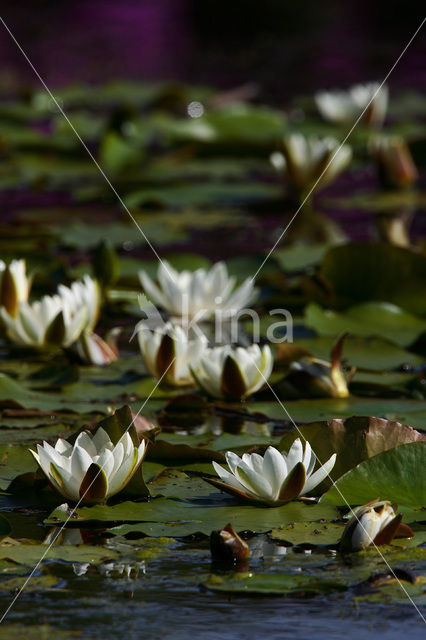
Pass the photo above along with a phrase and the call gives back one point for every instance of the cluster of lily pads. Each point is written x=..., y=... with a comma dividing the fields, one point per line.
x=94, y=469
x=97, y=466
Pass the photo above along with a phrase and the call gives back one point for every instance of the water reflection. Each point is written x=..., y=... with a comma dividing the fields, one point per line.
x=59, y=536
x=111, y=569
x=217, y=425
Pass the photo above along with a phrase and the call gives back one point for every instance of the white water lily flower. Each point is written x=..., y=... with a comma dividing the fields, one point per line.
x=14, y=285
x=198, y=293
x=91, y=348
x=83, y=294
x=224, y=372
x=308, y=159
x=373, y=523
x=274, y=478
x=344, y=107
x=49, y=322
x=168, y=353
x=92, y=469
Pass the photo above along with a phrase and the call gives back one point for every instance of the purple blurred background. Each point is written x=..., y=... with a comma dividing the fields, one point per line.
x=286, y=47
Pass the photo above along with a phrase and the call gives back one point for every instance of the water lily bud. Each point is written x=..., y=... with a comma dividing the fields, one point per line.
x=92, y=349
x=83, y=293
x=14, y=285
x=394, y=227
x=227, y=547
x=200, y=293
x=168, y=353
x=93, y=469
x=224, y=372
x=374, y=523
x=105, y=264
x=273, y=479
x=310, y=377
x=394, y=161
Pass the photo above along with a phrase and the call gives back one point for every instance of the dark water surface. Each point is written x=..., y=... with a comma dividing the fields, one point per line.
x=167, y=602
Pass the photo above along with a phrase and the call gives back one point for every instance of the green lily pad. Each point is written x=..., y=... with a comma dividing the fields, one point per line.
x=278, y=584
x=14, y=460
x=202, y=515
x=382, y=201
x=369, y=319
x=400, y=409
x=173, y=483
x=372, y=354
x=39, y=632
x=361, y=272
x=116, y=154
x=396, y=475
x=31, y=554
x=203, y=194
x=316, y=533
x=13, y=394
x=390, y=590
x=237, y=124
x=35, y=585
x=353, y=440
x=299, y=257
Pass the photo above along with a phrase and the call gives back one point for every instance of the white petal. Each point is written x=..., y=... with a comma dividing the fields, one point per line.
x=254, y=482
x=100, y=440
x=274, y=469
x=233, y=460
x=106, y=463
x=124, y=473
x=85, y=441
x=294, y=455
x=62, y=446
x=319, y=475
x=227, y=478
x=80, y=462
x=118, y=453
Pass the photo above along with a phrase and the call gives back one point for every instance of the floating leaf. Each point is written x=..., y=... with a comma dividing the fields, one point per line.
x=31, y=554
x=38, y=632
x=182, y=518
x=396, y=475
x=278, y=584
x=14, y=460
x=375, y=318
x=359, y=272
x=401, y=409
x=354, y=440
x=373, y=354
x=315, y=533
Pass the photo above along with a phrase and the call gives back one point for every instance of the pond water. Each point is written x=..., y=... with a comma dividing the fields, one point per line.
x=166, y=600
